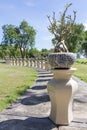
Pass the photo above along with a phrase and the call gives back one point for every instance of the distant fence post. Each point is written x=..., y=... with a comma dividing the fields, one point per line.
x=8, y=61
x=41, y=63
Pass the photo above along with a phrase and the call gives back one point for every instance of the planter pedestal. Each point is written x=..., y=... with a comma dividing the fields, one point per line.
x=61, y=90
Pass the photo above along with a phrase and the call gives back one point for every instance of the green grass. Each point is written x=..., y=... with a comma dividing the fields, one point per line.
x=81, y=61
x=13, y=82
x=81, y=66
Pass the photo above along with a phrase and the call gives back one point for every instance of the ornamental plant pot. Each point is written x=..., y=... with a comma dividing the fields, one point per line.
x=61, y=60
x=62, y=87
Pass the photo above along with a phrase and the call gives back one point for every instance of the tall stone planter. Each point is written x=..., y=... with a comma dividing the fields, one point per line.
x=62, y=87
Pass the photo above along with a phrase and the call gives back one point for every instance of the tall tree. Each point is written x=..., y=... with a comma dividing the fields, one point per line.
x=26, y=37
x=22, y=37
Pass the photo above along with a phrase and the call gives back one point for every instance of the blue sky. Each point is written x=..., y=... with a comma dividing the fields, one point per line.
x=35, y=13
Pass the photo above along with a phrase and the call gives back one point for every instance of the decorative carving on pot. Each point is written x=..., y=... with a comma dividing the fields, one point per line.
x=61, y=60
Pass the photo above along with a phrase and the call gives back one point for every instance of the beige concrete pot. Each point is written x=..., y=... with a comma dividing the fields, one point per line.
x=61, y=90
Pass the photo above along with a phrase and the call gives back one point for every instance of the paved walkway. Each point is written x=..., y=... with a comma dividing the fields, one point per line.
x=31, y=111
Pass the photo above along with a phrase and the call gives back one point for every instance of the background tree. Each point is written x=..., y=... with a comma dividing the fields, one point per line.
x=34, y=53
x=3, y=52
x=84, y=43
x=9, y=34
x=44, y=52
x=75, y=41
x=26, y=38
x=19, y=38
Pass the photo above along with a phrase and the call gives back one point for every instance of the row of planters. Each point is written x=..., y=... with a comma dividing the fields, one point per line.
x=29, y=62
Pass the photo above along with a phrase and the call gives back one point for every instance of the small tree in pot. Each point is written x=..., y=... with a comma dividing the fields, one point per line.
x=62, y=87
x=63, y=30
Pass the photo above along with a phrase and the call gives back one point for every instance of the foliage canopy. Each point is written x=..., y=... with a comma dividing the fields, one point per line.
x=22, y=37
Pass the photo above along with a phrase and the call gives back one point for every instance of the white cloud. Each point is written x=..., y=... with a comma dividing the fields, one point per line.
x=29, y=4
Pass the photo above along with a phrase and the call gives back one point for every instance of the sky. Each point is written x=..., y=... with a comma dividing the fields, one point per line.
x=35, y=13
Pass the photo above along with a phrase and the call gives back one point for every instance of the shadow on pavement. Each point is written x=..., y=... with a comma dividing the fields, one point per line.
x=43, y=79
x=35, y=99
x=31, y=123
x=39, y=87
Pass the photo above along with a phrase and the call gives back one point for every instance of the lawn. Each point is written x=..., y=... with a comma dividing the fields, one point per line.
x=81, y=66
x=13, y=82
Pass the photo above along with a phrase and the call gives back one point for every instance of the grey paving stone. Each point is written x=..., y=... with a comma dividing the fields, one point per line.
x=31, y=111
